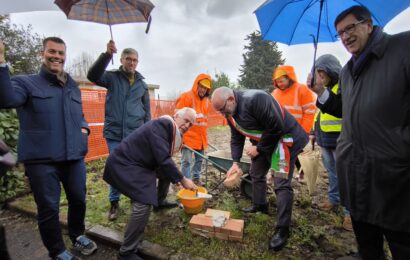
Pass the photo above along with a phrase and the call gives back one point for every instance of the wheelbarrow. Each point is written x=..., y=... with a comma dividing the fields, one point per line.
x=221, y=160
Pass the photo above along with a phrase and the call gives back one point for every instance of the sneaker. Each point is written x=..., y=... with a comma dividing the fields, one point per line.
x=66, y=255
x=327, y=206
x=113, y=213
x=347, y=223
x=84, y=245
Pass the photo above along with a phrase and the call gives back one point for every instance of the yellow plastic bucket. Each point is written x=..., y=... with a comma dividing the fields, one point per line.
x=192, y=204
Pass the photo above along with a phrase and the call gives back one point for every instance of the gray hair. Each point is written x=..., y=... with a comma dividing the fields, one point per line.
x=181, y=112
x=223, y=92
x=127, y=51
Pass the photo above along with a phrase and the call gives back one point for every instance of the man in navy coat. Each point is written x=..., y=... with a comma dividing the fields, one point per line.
x=134, y=165
x=52, y=144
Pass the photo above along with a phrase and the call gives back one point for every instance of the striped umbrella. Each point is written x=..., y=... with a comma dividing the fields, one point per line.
x=108, y=11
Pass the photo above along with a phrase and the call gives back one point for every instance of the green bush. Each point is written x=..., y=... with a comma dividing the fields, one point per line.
x=12, y=184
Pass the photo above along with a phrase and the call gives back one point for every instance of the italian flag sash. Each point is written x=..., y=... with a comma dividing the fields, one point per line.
x=280, y=162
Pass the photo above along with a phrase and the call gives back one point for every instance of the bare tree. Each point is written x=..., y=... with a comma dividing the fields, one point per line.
x=78, y=67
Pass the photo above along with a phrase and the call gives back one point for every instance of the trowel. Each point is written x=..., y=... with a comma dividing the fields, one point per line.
x=202, y=195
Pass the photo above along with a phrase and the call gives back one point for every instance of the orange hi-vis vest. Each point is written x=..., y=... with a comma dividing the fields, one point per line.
x=196, y=137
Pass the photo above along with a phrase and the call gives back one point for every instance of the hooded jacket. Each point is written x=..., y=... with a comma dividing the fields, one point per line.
x=127, y=107
x=298, y=99
x=196, y=137
x=331, y=66
x=373, y=151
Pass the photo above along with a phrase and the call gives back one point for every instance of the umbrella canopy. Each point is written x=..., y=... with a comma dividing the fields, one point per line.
x=298, y=21
x=107, y=11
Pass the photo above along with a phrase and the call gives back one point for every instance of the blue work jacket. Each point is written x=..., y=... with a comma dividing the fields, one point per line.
x=50, y=115
x=127, y=106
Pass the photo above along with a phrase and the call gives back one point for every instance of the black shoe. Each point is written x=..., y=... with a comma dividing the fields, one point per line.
x=255, y=208
x=113, y=213
x=165, y=205
x=279, y=239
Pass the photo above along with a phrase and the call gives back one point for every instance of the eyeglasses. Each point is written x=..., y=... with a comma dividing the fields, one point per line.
x=349, y=29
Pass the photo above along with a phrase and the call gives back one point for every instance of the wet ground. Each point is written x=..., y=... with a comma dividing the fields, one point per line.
x=24, y=242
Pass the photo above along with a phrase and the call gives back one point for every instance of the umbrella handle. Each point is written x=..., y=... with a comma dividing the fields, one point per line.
x=148, y=24
x=312, y=81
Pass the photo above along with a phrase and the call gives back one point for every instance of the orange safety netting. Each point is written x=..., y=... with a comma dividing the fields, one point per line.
x=93, y=107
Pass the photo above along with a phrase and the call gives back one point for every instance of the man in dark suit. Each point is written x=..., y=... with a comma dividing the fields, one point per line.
x=133, y=168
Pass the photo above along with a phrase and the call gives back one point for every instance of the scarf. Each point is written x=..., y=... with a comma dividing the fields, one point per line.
x=359, y=62
x=280, y=160
x=177, y=140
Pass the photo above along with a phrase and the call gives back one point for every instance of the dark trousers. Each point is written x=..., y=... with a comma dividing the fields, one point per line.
x=283, y=188
x=45, y=183
x=370, y=241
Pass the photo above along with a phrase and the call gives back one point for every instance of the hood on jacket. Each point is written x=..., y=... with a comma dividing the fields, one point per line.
x=331, y=65
x=284, y=71
x=198, y=79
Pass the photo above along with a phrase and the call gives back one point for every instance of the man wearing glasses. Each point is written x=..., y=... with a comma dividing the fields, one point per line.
x=373, y=151
x=276, y=140
x=127, y=105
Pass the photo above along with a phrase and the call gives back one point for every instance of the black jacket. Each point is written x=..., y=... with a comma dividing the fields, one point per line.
x=373, y=152
x=258, y=110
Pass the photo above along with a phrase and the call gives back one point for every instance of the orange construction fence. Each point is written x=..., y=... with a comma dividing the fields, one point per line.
x=93, y=107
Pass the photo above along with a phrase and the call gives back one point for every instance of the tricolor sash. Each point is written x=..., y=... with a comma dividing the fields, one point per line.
x=280, y=161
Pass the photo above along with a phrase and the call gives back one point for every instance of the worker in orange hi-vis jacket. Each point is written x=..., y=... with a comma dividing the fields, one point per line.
x=295, y=97
x=196, y=137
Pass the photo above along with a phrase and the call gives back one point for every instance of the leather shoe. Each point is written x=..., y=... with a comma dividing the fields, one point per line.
x=255, y=208
x=165, y=205
x=279, y=239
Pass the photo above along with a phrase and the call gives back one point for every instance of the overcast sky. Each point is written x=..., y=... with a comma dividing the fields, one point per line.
x=187, y=37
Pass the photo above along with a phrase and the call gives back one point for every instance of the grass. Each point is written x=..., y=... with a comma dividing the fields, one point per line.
x=314, y=234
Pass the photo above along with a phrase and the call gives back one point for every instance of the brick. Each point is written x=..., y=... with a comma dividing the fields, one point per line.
x=202, y=222
x=202, y=232
x=234, y=227
x=222, y=236
x=195, y=222
x=211, y=212
x=235, y=238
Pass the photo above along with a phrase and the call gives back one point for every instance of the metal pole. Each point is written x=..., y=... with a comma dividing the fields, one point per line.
x=315, y=42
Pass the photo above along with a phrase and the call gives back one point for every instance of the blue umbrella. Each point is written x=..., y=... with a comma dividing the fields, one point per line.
x=297, y=21
x=305, y=21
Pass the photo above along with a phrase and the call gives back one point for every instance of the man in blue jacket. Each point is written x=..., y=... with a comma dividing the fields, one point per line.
x=127, y=104
x=52, y=143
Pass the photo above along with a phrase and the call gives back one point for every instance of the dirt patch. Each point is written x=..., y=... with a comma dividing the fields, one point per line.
x=315, y=234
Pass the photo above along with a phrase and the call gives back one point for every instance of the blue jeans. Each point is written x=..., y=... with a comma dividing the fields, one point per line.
x=45, y=183
x=186, y=161
x=329, y=161
x=114, y=194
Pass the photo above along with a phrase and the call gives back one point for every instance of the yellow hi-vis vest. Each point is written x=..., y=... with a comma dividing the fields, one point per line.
x=329, y=123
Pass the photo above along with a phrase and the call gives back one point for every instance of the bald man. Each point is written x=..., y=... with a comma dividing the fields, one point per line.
x=276, y=140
